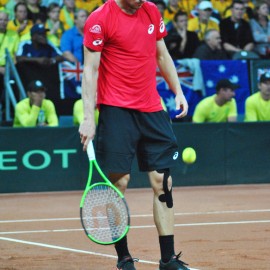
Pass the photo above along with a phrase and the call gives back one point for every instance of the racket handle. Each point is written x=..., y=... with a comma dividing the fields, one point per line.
x=91, y=151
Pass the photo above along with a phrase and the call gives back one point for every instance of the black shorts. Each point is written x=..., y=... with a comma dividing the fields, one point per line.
x=123, y=133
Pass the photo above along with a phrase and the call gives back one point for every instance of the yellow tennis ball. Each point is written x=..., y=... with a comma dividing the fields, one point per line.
x=189, y=155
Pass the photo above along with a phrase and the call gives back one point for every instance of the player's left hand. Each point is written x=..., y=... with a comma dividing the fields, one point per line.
x=181, y=104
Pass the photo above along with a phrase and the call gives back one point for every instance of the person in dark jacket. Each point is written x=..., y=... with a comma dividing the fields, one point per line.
x=211, y=49
x=235, y=32
x=180, y=42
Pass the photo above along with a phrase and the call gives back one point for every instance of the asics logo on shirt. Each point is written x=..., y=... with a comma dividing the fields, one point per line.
x=151, y=29
x=175, y=156
x=97, y=42
x=161, y=26
x=95, y=29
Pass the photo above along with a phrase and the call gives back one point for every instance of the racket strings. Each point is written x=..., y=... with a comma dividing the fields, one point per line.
x=104, y=214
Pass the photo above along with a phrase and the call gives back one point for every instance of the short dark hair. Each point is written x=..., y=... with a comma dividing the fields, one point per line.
x=257, y=6
x=159, y=2
x=179, y=13
x=237, y=2
x=78, y=11
x=52, y=6
x=35, y=86
x=19, y=4
x=265, y=77
x=225, y=83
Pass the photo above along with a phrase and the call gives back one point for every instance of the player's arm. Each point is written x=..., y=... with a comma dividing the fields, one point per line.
x=27, y=119
x=232, y=117
x=229, y=47
x=250, y=115
x=51, y=112
x=169, y=73
x=89, y=88
x=249, y=46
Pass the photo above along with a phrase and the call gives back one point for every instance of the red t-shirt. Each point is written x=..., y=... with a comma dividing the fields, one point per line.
x=127, y=72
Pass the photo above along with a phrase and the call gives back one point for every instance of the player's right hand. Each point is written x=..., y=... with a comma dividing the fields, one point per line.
x=87, y=132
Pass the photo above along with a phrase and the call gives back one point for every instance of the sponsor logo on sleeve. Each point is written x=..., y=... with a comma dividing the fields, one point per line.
x=97, y=42
x=95, y=29
x=151, y=29
x=161, y=26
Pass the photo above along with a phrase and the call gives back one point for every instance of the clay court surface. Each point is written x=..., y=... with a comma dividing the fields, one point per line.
x=217, y=227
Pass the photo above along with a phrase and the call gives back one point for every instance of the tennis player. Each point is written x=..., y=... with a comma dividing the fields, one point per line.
x=123, y=44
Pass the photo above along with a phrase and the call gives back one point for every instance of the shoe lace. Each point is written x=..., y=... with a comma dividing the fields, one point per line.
x=124, y=261
x=176, y=257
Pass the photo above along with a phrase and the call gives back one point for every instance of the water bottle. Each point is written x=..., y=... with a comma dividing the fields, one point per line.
x=41, y=118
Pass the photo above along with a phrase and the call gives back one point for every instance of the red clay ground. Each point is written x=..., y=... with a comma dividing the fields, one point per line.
x=217, y=227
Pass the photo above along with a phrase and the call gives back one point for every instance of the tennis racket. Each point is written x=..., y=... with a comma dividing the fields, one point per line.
x=103, y=208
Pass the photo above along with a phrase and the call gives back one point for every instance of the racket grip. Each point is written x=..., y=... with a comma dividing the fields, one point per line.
x=91, y=151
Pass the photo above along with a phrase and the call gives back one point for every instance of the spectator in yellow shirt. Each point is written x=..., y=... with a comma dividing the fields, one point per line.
x=187, y=5
x=35, y=110
x=3, y=3
x=203, y=22
x=36, y=12
x=170, y=11
x=21, y=24
x=9, y=7
x=54, y=25
x=221, y=6
x=88, y=5
x=78, y=113
x=257, y=107
x=8, y=40
x=67, y=14
x=220, y=107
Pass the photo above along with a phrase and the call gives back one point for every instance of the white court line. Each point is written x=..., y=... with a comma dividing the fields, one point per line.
x=141, y=216
x=71, y=249
x=146, y=226
x=37, y=220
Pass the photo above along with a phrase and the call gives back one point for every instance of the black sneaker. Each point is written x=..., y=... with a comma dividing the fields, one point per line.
x=127, y=263
x=173, y=264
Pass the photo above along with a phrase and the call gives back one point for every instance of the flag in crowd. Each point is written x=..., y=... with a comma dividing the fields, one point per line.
x=234, y=70
x=68, y=78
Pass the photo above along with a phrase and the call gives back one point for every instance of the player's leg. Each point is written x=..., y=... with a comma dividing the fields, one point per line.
x=116, y=141
x=163, y=211
x=157, y=153
x=163, y=215
x=120, y=180
x=125, y=260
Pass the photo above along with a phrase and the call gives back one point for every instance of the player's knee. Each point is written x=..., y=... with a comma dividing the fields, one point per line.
x=157, y=178
x=165, y=174
x=157, y=182
x=120, y=181
x=166, y=195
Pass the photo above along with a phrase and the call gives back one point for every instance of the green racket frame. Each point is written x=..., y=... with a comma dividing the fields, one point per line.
x=93, y=163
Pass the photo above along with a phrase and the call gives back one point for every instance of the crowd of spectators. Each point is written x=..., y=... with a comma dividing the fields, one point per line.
x=240, y=26
x=202, y=29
